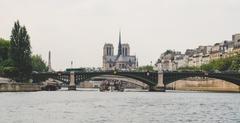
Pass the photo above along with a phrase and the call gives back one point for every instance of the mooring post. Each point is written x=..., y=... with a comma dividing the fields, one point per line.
x=72, y=84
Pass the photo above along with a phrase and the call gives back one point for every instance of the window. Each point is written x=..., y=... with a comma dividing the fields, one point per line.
x=126, y=52
x=123, y=51
x=107, y=51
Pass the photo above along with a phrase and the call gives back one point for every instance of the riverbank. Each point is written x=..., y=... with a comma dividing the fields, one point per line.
x=19, y=87
x=211, y=85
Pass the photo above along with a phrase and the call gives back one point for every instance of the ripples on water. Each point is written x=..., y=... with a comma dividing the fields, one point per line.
x=119, y=107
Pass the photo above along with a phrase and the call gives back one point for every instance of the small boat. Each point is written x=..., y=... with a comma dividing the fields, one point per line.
x=112, y=86
x=51, y=85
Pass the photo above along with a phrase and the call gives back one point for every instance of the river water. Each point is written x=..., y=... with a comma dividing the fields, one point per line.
x=89, y=106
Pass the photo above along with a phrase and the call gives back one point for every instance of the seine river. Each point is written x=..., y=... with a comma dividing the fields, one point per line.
x=119, y=107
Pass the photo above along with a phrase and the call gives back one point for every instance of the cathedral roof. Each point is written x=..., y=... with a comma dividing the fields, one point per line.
x=120, y=58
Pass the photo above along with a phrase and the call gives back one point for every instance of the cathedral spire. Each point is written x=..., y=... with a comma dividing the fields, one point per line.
x=120, y=44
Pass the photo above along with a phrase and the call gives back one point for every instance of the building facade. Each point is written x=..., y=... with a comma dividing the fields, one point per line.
x=166, y=61
x=122, y=60
x=236, y=40
x=172, y=60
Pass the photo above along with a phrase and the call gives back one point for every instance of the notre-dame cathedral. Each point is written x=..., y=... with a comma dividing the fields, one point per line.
x=122, y=61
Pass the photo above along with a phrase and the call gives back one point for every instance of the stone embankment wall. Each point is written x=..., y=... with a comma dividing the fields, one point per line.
x=204, y=85
x=19, y=87
x=86, y=84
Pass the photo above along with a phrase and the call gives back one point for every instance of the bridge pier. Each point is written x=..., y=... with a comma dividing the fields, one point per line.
x=72, y=84
x=160, y=87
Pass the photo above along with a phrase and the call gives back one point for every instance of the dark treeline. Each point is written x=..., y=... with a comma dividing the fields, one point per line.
x=16, y=59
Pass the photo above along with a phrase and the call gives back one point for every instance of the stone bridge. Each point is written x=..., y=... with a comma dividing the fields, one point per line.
x=156, y=81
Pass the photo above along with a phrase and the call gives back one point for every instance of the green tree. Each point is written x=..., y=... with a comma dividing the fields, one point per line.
x=206, y=67
x=145, y=68
x=235, y=66
x=20, y=52
x=4, y=49
x=188, y=68
x=224, y=64
x=38, y=64
x=168, y=52
x=7, y=69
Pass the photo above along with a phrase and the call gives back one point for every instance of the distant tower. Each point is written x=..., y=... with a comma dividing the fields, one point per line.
x=49, y=62
x=108, y=50
x=125, y=50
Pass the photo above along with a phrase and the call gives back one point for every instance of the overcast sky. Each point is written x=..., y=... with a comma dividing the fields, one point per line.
x=77, y=29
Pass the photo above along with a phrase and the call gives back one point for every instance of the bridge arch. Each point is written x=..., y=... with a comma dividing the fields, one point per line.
x=120, y=78
x=171, y=77
x=149, y=78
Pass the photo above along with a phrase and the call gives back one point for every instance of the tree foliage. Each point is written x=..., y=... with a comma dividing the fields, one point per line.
x=7, y=68
x=145, y=68
x=6, y=64
x=38, y=64
x=223, y=64
x=168, y=52
x=189, y=68
x=20, y=52
x=4, y=49
x=235, y=66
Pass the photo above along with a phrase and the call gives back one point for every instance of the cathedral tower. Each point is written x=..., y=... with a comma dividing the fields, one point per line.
x=125, y=50
x=108, y=50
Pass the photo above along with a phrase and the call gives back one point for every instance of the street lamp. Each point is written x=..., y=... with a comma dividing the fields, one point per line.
x=148, y=73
